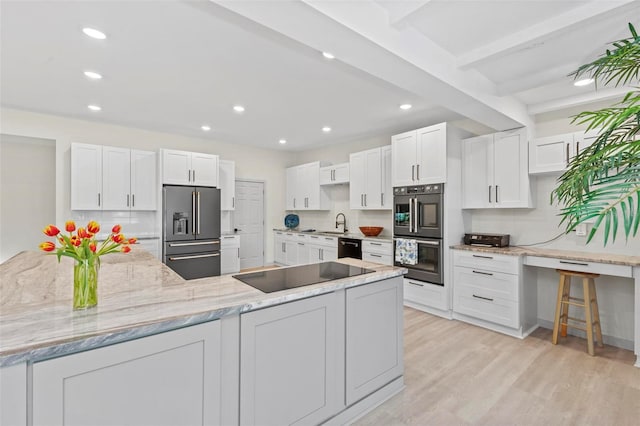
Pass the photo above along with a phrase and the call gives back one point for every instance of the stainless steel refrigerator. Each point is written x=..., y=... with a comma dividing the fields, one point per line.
x=191, y=232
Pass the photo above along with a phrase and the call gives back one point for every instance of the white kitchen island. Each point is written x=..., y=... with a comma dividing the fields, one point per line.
x=161, y=350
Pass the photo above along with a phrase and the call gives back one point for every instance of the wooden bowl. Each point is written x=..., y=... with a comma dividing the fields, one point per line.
x=371, y=231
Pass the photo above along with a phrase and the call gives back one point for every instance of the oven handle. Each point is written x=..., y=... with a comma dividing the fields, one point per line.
x=410, y=214
x=431, y=243
x=415, y=220
x=197, y=256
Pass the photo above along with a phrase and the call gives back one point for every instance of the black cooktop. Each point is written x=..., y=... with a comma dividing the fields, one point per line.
x=298, y=276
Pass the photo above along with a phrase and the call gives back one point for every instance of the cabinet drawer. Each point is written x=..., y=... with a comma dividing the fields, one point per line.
x=426, y=294
x=580, y=266
x=495, y=285
x=379, y=247
x=384, y=259
x=322, y=240
x=229, y=241
x=479, y=304
x=487, y=261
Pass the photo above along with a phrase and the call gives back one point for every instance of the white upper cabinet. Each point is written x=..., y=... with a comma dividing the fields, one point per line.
x=111, y=178
x=86, y=177
x=303, y=190
x=495, y=172
x=227, y=185
x=189, y=168
x=552, y=154
x=370, y=185
x=331, y=175
x=420, y=156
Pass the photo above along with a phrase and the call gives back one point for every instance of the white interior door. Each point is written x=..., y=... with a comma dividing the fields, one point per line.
x=249, y=221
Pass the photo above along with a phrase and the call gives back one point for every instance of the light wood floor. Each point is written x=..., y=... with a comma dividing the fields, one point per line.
x=459, y=374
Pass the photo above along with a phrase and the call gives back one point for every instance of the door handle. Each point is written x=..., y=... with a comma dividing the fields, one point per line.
x=417, y=171
x=574, y=263
x=193, y=212
x=233, y=202
x=482, y=273
x=365, y=200
x=238, y=252
x=382, y=199
x=413, y=167
x=483, y=298
x=195, y=256
x=98, y=199
x=189, y=178
x=566, y=155
x=483, y=257
x=294, y=203
x=194, y=175
x=496, y=194
x=127, y=200
x=410, y=214
x=416, y=221
x=490, y=193
x=198, y=198
x=577, y=148
x=204, y=243
x=429, y=243
x=133, y=200
x=418, y=284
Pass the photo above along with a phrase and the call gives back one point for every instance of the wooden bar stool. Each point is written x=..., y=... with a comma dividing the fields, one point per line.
x=589, y=303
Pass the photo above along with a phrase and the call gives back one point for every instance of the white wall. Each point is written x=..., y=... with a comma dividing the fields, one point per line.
x=339, y=194
x=251, y=163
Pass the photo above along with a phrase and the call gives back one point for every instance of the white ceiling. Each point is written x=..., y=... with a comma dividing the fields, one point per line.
x=173, y=66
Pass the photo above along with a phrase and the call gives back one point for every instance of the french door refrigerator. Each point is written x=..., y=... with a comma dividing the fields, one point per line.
x=191, y=231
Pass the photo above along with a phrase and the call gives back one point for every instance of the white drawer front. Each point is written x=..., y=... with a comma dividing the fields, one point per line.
x=474, y=303
x=580, y=266
x=385, y=259
x=487, y=261
x=495, y=285
x=426, y=294
x=380, y=247
x=322, y=240
x=228, y=241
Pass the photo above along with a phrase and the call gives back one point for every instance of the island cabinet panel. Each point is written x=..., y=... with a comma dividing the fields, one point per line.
x=292, y=362
x=374, y=337
x=13, y=395
x=166, y=379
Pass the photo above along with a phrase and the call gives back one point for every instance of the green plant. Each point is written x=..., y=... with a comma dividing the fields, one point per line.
x=602, y=182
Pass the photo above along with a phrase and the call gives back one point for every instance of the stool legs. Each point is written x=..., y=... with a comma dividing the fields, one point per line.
x=559, y=308
x=586, y=288
x=596, y=314
x=564, y=317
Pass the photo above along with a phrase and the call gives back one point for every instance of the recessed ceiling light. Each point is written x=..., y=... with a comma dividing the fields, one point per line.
x=326, y=129
x=282, y=141
x=205, y=128
x=238, y=108
x=94, y=107
x=93, y=33
x=405, y=106
x=92, y=75
x=328, y=55
x=583, y=82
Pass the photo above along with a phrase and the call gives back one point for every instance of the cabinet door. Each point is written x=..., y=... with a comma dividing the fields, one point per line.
x=167, y=379
x=477, y=179
x=431, y=148
x=290, y=362
x=373, y=179
x=314, y=253
x=176, y=167
x=550, y=154
x=374, y=337
x=510, y=169
x=229, y=260
x=311, y=185
x=227, y=185
x=386, y=201
x=116, y=178
x=326, y=175
x=144, y=189
x=583, y=140
x=329, y=253
x=292, y=202
x=403, y=148
x=279, y=248
x=290, y=252
x=341, y=173
x=358, y=170
x=86, y=177
x=204, y=169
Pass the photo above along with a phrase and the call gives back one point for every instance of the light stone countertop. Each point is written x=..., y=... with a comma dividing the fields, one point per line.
x=608, y=258
x=137, y=296
x=357, y=235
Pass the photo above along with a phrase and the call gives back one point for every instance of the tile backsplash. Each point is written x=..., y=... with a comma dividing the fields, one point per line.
x=139, y=224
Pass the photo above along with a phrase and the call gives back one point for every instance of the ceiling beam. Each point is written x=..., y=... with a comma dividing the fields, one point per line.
x=615, y=94
x=534, y=80
x=399, y=12
x=535, y=34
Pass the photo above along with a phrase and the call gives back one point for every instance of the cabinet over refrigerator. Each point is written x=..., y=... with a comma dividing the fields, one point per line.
x=191, y=231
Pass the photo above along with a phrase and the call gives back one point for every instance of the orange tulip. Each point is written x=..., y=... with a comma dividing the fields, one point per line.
x=70, y=226
x=116, y=229
x=92, y=247
x=133, y=240
x=82, y=233
x=93, y=227
x=47, y=246
x=51, y=231
x=126, y=249
x=118, y=238
x=76, y=241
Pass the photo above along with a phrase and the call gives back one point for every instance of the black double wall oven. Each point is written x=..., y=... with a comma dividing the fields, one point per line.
x=418, y=215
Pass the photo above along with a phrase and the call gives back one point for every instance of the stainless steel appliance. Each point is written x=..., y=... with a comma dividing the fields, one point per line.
x=191, y=231
x=487, y=240
x=349, y=247
x=418, y=215
x=418, y=210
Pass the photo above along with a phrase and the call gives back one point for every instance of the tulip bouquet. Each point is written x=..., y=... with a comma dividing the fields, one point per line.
x=86, y=251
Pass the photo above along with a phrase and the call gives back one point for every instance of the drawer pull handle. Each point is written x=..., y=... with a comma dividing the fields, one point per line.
x=376, y=244
x=483, y=298
x=574, y=263
x=418, y=284
x=483, y=273
x=374, y=255
x=483, y=257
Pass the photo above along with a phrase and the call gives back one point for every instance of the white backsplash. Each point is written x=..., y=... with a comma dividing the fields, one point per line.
x=139, y=224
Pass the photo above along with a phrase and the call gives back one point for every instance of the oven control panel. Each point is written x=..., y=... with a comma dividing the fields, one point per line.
x=436, y=188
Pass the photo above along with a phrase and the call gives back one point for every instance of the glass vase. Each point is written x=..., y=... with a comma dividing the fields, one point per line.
x=85, y=284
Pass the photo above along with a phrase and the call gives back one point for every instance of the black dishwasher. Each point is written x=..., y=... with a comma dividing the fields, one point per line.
x=349, y=247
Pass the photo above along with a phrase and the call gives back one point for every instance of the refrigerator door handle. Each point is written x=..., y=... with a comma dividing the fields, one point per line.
x=198, y=202
x=193, y=213
x=204, y=243
x=195, y=256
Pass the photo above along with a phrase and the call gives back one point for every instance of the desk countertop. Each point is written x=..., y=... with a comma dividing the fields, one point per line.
x=583, y=256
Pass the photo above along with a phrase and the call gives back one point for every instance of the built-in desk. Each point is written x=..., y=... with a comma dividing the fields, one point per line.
x=616, y=265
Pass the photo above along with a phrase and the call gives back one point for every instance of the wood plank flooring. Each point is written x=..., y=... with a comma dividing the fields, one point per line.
x=460, y=374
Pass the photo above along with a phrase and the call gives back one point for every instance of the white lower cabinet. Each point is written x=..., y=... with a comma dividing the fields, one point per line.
x=374, y=337
x=229, y=254
x=292, y=248
x=279, y=248
x=166, y=379
x=290, y=362
x=322, y=248
x=377, y=251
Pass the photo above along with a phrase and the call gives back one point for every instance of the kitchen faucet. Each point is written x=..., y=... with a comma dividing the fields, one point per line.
x=343, y=223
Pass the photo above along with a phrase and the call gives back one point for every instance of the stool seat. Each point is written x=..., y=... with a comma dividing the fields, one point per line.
x=589, y=303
